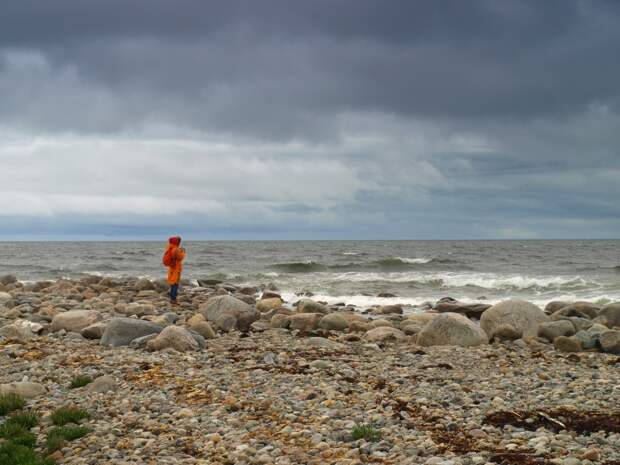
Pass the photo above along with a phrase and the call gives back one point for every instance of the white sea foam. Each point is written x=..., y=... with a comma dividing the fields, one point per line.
x=414, y=260
x=481, y=280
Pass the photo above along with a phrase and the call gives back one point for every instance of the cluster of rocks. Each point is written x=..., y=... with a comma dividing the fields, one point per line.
x=236, y=375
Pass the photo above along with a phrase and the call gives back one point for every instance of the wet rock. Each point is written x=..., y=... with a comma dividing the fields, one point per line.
x=555, y=305
x=587, y=340
x=383, y=334
x=521, y=315
x=553, y=329
x=144, y=285
x=121, y=331
x=569, y=311
x=75, y=320
x=567, y=344
x=174, y=337
x=452, y=329
x=390, y=310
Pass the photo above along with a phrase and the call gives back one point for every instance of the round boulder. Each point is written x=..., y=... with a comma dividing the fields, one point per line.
x=611, y=312
x=173, y=337
x=524, y=316
x=266, y=305
x=220, y=306
x=383, y=334
x=452, y=329
x=553, y=329
x=75, y=320
x=121, y=331
x=334, y=322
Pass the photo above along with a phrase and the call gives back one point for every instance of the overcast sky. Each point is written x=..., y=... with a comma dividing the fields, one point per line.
x=279, y=119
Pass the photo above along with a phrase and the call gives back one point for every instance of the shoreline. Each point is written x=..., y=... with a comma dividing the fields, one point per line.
x=235, y=375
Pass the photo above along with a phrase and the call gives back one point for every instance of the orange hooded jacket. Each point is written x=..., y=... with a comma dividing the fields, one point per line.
x=174, y=271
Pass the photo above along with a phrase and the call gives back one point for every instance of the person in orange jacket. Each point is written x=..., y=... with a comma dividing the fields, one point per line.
x=173, y=259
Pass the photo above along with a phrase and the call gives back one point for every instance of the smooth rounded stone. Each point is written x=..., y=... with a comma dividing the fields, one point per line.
x=452, y=329
x=218, y=306
x=174, y=337
x=94, y=331
x=102, y=384
x=20, y=330
x=324, y=343
x=555, y=305
x=587, y=340
x=204, y=329
x=523, y=316
x=569, y=311
x=280, y=320
x=379, y=323
x=144, y=284
x=383, y=334
x=197, y=318
x=265, y=305
x=359, y=326
x=334, y=322
x=567, y=344
x=597, y=328
x=470, y=310
x=411, y=329
x=5, y=297
x=580, y=324
x=225, y=322
x=121, y=331
x=140, y=342
x=553, y=329
x=611, y=312
x=390, y=310
x=137, y=309
x=310, y=306
x=25, y=389
x=505, y=333
x=305, y=321
x=75, y=320
x=610, y=342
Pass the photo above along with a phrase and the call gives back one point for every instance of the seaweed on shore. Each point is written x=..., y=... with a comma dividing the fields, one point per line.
x=557, y=420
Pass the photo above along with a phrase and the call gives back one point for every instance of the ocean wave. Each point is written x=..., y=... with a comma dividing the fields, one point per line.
x=486, y=281
x=300, y=267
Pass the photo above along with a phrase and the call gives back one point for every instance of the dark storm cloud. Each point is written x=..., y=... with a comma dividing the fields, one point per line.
x=359, y=118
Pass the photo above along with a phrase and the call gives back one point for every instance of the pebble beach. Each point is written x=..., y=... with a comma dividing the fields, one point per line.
x=237, y=375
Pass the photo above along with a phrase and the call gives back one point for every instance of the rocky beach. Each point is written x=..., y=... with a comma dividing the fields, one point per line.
x=237, y=375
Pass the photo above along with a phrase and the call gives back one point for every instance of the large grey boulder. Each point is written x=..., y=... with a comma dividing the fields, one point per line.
x=524, y=316
x=567, y=344
x=452, y=329
x=75, y=320
x=227, y=306
x=553, y=329
x=173, y=337
x=611, y=312
x=121, y=331
x=610, y=342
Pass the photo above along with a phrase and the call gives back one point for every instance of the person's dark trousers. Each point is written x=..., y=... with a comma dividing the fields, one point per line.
x=174, y=290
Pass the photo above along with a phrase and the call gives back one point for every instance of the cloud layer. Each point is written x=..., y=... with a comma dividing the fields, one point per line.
x=326, y=119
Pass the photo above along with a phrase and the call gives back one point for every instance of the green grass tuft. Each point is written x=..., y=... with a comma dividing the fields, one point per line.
x=65, y=415
x=80, y=381
x=367, y=432
x=26, y=420
x=16, y=454
x=10, y=403
x=57, y=437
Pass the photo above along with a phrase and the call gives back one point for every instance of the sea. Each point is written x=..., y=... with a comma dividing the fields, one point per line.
x=351, y=272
